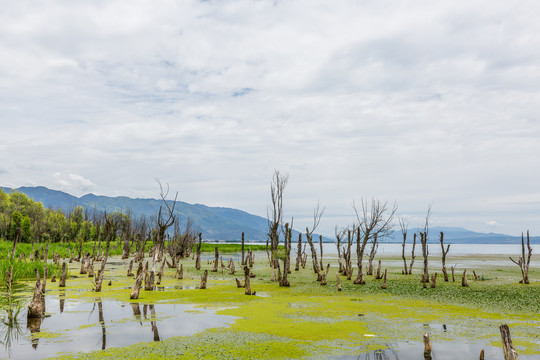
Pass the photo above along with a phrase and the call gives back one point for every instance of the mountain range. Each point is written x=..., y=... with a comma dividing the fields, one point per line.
x=227, y=224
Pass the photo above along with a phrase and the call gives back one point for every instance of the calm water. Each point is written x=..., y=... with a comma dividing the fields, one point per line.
x=85, y=326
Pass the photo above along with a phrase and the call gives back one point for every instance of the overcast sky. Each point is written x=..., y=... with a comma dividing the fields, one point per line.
x=413, y=102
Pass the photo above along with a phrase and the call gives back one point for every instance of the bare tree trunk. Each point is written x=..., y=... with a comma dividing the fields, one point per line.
x=198, y=259
x=508, y=347
x=523, y=262
x=44, y=283
x=433, y=280
x=404, y=233
x=101, y=273
x=298, y=253
x=216, y=261
x=372, y=253
x=453, y=268
x=243, y=260
x=179, y=271
x=247, y=283
x=427, y=347
x=63, y=276
x=425, y=254
x=413, y=256
x=130, y=269
x=444, y=252
x=137, y=287
x=378, y=274
x=338, y=282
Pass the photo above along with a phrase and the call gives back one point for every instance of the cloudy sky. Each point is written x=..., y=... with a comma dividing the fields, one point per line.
x=413, y=102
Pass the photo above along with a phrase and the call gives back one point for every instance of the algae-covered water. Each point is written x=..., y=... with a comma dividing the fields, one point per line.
x=305, y=320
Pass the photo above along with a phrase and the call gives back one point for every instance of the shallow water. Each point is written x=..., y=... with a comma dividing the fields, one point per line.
x=441, y=351
x=73, y=326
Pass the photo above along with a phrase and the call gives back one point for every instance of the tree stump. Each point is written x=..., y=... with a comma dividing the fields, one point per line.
x=179, y=271
x=508, y=347
x=137, y=287
x=427, y=347
x=130, y=269
x=247, y=283
x=384, y=285
x=464, y=282
x=36, y=308
x=63, y=276
x=204, y=278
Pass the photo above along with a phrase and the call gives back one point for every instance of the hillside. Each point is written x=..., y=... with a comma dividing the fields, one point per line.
x=220, y=223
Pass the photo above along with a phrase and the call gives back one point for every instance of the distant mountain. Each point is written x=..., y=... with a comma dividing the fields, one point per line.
x=215, y=223
x=458, y=235
x=219, y=223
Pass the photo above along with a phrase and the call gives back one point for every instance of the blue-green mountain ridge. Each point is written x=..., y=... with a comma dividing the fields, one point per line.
x=227, y=224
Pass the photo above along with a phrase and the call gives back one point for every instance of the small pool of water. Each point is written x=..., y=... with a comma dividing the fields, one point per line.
x=73, y=326
x=441, y=351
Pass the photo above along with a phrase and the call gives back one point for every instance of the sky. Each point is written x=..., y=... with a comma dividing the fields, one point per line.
x=418, y=103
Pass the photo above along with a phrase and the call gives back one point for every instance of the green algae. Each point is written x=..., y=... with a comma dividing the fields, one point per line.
x=308, y=320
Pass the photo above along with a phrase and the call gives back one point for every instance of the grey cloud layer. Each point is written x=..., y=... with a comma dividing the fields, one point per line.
x=411, y=101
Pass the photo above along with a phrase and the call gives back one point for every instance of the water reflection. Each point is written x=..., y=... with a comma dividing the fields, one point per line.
x=33, y=324
x=73, y=326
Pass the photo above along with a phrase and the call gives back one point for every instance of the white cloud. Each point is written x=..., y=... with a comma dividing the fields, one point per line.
x=73, y=183
x=418, y=102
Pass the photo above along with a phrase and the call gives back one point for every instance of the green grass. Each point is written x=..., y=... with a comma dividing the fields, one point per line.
x=229, y=248
x=26, y=270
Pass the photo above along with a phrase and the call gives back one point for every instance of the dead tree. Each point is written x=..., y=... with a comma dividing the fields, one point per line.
x=404, y=229
x=347, y=254
x=299, y=253
x=275, y=215
x=216, y=260
x=165, y=220
x=413, y=256
x=338, y=283
x=425, y=247
x=321, y=253
x=339, y=236
x=375, y=220
x=443, y=259
x=523, y=262
x=373, y=251
x=317, y=214
x=243, y=260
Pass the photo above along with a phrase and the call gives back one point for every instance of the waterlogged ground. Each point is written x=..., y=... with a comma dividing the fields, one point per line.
x=307, y=320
